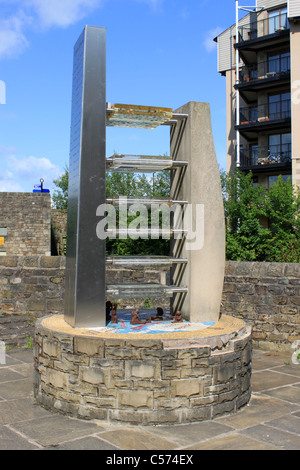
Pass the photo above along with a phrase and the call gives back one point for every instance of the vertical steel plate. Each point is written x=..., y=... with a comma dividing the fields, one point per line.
x=85, y=269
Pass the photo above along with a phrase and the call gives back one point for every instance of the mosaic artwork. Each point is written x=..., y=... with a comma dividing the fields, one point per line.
x=165, y=325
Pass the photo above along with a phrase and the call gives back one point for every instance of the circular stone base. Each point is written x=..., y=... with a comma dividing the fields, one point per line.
x=164, y=378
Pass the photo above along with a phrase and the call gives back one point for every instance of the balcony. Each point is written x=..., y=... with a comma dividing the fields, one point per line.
x=270, y=32
x=261, y=28
x=260, y=158
x=273, y=115
x=272, y=69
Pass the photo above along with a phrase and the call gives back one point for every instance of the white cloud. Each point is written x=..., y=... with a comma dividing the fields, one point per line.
x=209, y=43
x=154, y=4
x=33, y=168
x=12, y=38
x=8, y=183
x=61, y=13
x=38, y=14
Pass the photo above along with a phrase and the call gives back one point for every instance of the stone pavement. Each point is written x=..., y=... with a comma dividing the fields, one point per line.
x=270, y=422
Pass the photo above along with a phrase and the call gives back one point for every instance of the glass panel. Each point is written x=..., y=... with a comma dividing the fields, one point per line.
x=254, y=114
x=143, y=290
x=143, y=163
x=283, y=18
x=285, y=105
x=144, y=261
x=286, y=147
x=274, y=107
x=286, y=139
x=274, y=140
x=285, y=62
x=273, y=179
x=274, y=63
x=274, y=21
x=254, y=154
x=143, y=117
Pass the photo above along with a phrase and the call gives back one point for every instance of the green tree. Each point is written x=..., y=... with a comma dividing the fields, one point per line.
x=138, y=186
x=261, y=224
x=282, y=210
x=60, y=195
x=130, y=185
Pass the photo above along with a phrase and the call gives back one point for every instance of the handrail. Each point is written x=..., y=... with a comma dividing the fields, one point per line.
x=272, y=68
x=264, y=27
x=265, y=112
x=266, y=155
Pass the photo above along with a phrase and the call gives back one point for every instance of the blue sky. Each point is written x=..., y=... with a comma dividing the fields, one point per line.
x=159, y=53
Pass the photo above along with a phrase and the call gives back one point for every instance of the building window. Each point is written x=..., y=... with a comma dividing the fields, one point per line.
x=279, y=62
x=280, y=106
x=277, y=20
x=254, y=154
x=280, y=147
x=273, y=179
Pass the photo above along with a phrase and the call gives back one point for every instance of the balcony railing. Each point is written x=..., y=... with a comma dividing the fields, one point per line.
x=260, y=28
x=259, y=155
x=272, y=68
x=278, y=110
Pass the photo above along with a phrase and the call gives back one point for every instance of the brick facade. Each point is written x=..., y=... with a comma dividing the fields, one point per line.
x=25, y=222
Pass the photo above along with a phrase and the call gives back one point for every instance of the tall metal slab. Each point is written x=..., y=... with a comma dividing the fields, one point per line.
x=85, y=264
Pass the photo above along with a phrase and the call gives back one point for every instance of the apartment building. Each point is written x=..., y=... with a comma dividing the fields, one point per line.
x=260, y=59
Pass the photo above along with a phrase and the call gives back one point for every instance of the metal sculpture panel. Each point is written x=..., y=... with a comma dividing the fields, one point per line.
x=85, y=269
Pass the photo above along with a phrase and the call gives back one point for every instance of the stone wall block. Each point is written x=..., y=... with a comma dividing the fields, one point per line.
x=89, y=346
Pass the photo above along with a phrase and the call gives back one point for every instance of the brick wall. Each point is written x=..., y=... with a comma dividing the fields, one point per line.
x=59, y=231
x=266, y=294
x=25, y=223
x=33, y=286
x=30, y=287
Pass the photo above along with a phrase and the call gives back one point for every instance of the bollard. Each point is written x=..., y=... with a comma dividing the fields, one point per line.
x=2, y=353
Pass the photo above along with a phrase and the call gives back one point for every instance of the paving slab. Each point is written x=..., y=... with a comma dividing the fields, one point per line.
x=267, y=379
x=14, y=411
x=52, y=430
x=289, y=369
x=290, y=394
x=137, y=439
x=286, y=423
x=7, y=375
x=273, y=436
x=87, y=443
x=233, y=441
x=267, y=360
x=261, y=408
x=16, y=389
x=187, y=433
x=21, y=355
x=25, y=370
x=9, y=440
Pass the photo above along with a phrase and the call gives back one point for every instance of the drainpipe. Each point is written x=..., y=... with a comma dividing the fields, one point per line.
x=237, y=58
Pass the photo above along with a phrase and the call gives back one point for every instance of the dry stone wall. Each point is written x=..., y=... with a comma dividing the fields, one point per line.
x=265, y=294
